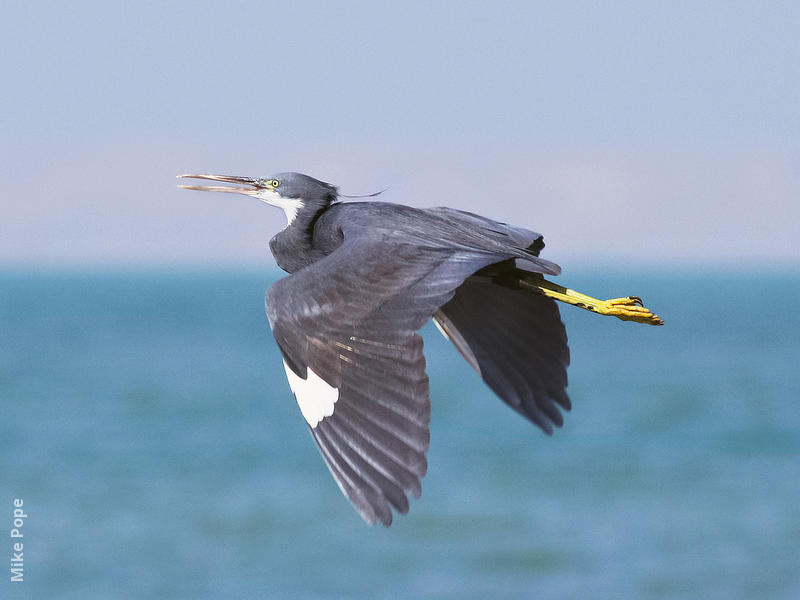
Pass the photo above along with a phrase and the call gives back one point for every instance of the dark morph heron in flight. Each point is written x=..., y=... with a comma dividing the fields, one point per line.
x=364, y=278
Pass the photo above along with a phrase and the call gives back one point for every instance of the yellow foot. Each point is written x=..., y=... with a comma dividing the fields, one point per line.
x=626, y=309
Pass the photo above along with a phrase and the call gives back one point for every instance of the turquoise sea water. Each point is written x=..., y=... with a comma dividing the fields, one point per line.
x=149, y=429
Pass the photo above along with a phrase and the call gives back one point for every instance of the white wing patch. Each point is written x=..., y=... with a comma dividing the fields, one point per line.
x=315, y=398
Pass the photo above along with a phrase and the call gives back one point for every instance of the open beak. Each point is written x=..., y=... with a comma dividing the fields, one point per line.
x=251, y=185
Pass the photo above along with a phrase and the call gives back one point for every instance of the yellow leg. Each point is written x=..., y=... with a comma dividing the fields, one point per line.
x=626, y=309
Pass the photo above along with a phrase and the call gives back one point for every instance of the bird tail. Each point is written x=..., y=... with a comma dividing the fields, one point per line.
x=532, y=265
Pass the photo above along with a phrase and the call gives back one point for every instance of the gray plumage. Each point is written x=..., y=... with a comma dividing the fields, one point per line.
x=364, y=278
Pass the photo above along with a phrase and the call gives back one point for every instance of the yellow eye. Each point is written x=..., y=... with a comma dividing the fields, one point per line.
x=273, y=183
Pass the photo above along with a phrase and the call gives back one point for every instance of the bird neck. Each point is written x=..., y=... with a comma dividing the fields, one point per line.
x=293, y=248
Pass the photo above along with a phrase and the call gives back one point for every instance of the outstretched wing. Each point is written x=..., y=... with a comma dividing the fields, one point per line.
x=515, y=340
x=347, y=329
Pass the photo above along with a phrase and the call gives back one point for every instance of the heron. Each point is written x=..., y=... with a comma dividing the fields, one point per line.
x=364, y=277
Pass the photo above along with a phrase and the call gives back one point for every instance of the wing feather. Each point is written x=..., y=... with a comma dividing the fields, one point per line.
x=352, y=319
x=347, y=324
x=515, y=340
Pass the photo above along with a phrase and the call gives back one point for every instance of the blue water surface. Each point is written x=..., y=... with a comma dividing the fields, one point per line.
x=149, y=429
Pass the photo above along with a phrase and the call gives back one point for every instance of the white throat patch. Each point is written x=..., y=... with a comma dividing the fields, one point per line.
x=290, y=206
x=315, y=398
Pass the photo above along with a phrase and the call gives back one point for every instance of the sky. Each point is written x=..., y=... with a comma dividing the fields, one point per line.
x=628, y=133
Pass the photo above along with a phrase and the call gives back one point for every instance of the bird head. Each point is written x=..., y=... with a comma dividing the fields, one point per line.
x=295, y=193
